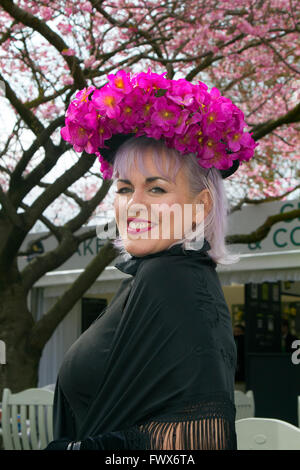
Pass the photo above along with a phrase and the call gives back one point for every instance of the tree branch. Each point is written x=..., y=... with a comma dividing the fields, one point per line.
x=246, y=200
x=262, y=232
x=149, y=38
x=89, y=207
x=40, y=141
x=265, y=128
x=53, y=38
x=61, y=184
x=9, y=210
x=54, y=229
x=26, y=114
x=68, y=242
x=44, y=328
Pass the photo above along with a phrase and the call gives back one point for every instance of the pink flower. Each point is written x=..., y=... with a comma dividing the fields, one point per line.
x=120, y=82
x=64, y=28
x=83, y=95
x=67, y=80
x=107, y=100
x=115, y=126
x=165, y=114
x=236, y=140
x=181, y=92
x=105, y=168
x=214, y=154
x=151, y=81
x=189, y=141
x=182, y=122
x=68, y=52
x=89, y=61
x=46, y=13
x=78, y=136
x=188, y=117
x=80, y=106
x=217, y=118
x=64, y=132
x=98, y=137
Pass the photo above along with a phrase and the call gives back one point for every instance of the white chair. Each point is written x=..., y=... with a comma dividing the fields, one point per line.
x=266, y=434
x=49, y=387
x=244, y=403
x=27, y=419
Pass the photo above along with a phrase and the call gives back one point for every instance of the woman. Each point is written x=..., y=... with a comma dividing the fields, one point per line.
x=156, y=370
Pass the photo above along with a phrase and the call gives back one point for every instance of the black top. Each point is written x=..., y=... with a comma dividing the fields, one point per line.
x=156, y=369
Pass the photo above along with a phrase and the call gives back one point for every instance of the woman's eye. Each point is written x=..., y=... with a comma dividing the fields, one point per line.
x=121, y=191
x=160, y=189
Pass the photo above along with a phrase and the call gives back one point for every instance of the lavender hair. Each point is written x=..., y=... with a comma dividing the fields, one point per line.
x=131, y=154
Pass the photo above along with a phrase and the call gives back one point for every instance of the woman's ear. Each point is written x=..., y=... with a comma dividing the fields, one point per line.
x=204, y=198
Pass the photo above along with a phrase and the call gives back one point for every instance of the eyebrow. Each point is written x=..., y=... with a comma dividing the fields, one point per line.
x=148, y=180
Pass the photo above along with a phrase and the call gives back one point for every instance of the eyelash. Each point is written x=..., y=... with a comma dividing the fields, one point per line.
x=156, y=187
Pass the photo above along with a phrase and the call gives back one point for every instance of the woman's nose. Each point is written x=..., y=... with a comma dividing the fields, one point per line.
x=136, y=197
x=137, y=205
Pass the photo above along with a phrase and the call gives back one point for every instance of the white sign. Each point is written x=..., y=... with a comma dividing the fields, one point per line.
x=283, y=236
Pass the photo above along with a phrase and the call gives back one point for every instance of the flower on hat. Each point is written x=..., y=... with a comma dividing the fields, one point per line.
x=107, y=100
x=189, y=117
x=120, y=82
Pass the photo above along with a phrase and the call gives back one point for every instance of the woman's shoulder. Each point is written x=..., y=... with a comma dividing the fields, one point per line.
x=170, y=275
x=172, y=266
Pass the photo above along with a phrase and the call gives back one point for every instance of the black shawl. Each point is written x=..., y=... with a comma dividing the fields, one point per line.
x=156, y=369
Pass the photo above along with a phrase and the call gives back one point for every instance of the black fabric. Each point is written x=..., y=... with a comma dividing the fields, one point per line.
x=156, y=369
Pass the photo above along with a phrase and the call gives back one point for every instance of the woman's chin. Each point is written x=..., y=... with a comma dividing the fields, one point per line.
x=142, y=247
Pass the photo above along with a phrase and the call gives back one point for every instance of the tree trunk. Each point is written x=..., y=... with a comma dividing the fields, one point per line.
x=16, y=322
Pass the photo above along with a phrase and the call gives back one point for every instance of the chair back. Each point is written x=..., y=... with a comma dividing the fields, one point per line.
x=266, y=434
x=27, y=419
x=244, y=403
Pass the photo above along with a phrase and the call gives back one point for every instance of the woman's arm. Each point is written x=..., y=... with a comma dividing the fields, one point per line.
x=130, y=439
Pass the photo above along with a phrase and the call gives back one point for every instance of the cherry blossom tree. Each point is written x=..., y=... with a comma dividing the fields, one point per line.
x=249, y=49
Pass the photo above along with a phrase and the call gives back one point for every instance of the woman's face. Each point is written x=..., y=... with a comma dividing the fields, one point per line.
x=151, y=199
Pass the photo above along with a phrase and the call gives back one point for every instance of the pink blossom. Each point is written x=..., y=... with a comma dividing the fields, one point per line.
x=46, y=13
x=68, y=52
x=238, y=140
x=77, y=135
x=188, y=117
x=89, y=62
x=105, y=168
x=107, y=100
x=67, y=80
x=181, y=92
x=98, y=136
x=214, y=154
x=64, y=28
x=120, y=82
x=87, y=7
x=165, y=114
x=151, y=81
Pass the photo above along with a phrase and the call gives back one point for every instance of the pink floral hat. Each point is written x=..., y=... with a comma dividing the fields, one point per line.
x=188, y=117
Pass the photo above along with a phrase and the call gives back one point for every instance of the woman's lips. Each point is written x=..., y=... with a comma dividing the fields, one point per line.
x=142, y=228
